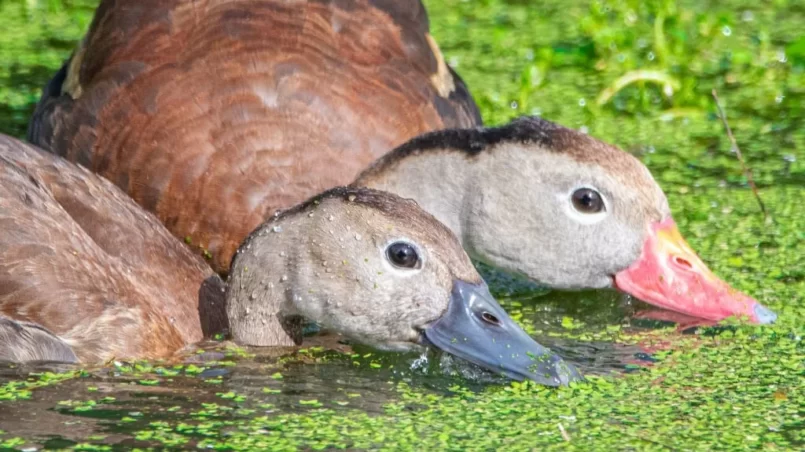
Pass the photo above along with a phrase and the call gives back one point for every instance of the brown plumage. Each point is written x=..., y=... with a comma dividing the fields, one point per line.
x=213, y=114
x=81, y=261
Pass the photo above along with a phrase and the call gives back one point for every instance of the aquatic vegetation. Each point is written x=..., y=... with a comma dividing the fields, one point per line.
x=21, y=388
x=635, y=73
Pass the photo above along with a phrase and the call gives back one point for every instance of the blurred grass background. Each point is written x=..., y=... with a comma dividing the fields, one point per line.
x=638, y=73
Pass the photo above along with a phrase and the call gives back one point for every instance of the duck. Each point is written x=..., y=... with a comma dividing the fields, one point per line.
x=87, y=275
x=213, y=156
x=196, y=108
x=562, y=209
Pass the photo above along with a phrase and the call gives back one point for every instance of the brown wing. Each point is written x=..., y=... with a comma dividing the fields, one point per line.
x=80, y=259
x=213, y=114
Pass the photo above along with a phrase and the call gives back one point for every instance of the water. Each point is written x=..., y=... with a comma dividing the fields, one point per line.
x=129, y=401
x=117, y=401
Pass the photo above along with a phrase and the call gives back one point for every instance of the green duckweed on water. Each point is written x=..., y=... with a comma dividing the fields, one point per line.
x=635, y=73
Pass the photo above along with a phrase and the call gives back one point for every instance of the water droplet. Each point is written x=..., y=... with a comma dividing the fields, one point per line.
x=726, y=31
x=331, y=218
x=351, y=198
x=748, y=16
x=513, y=105
x=357, y=236
x=650, y=56
x=453, y=61
x=790, y=158
x=529, y=55
x=276, y=229
x=779, y=98
x=781, y=57
x=282, y=253
x=248, y=311
x=421, y=362
x=284, y=278
x=584, y=130
x=582, y=102
x=310, y=215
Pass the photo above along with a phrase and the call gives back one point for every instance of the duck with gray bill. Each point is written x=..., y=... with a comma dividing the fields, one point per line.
x=86, y=276
x=379, y=270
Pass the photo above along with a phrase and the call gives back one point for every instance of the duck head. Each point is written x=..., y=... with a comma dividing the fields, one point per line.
x=561, y=208
x=379, y=270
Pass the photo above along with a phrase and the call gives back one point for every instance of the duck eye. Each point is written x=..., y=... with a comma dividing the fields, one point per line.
x=587, y=200
x=402, y=255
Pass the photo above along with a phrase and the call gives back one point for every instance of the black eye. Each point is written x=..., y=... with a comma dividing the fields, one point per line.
x=402, y=255
x=587, y=200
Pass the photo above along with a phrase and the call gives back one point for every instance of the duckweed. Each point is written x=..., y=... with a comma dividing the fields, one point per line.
x=635, y=73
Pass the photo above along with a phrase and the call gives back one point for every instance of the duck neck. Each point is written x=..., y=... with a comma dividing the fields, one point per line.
x=257, y=293
x=437, y=180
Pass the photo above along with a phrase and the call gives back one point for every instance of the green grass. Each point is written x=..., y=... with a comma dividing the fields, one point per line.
x=739, y=388
x=39, y=35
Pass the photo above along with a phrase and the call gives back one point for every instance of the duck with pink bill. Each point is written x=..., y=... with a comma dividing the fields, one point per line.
x=562, y=209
